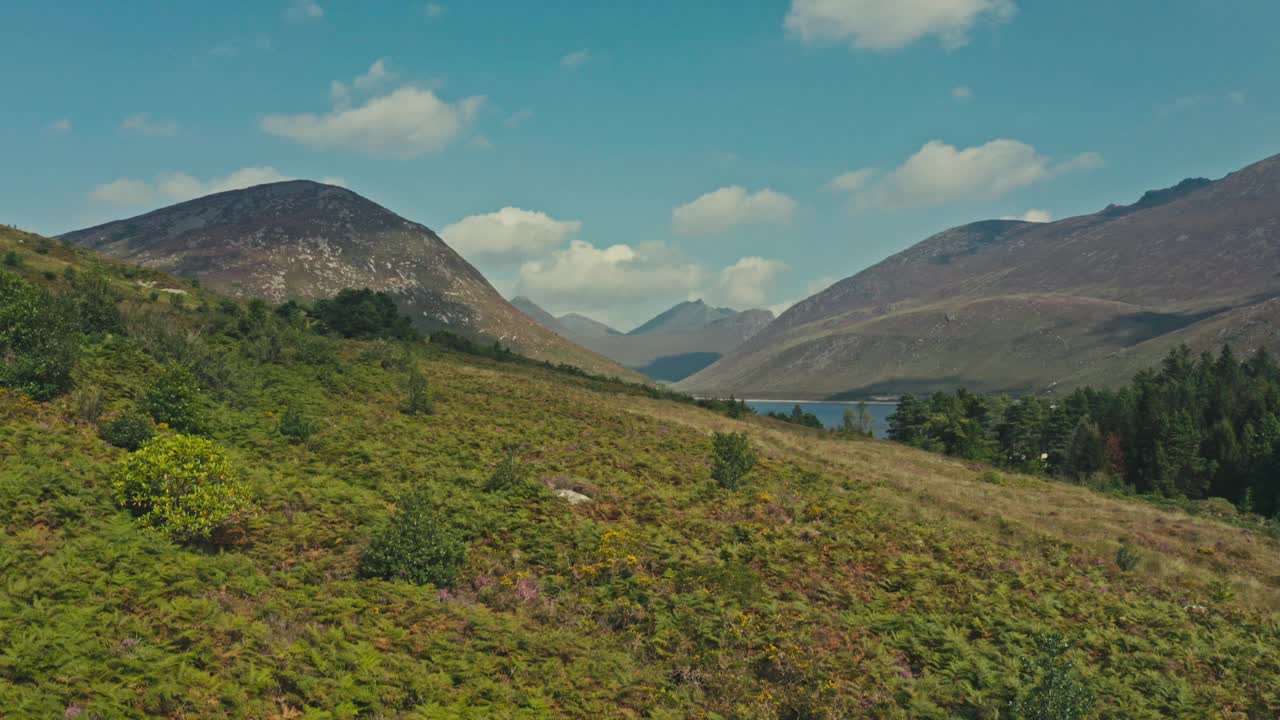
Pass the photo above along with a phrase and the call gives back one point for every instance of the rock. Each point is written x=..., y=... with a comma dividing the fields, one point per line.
x=573, y=498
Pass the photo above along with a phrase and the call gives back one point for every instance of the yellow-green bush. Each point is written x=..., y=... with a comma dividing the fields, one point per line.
x=183, y=486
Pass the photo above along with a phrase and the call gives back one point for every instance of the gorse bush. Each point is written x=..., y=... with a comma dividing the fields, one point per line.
x=732, y=457
x=38, y=343
x=416, y=545
x=181, y=485
x=417, y=399
x=128, y=431
x=295, y=425
x=175, y=399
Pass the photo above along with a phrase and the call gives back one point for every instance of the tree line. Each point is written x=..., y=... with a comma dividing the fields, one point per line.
x=1194, y=427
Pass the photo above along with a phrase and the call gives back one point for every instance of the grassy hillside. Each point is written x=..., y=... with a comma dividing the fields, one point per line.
x=843, y=578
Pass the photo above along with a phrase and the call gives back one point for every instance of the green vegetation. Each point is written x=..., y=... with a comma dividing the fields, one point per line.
x=183, y=486
x=732, y=458
x=416, y=545
x=129, y=430
x=852, y=579
x=295, y=425
x=1194, y=428
x=174, y=398
x=417, y=399
x=798, y=417
x=37, y=339
x=363, y=314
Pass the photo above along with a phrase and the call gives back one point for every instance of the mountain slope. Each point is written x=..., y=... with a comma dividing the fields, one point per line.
x=842, y=579
x=1013, y=306
x=304, y=240
x=581, y=326
x=538, y=315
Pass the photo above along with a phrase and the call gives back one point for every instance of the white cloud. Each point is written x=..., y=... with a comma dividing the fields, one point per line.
x=746, y=283
x=299, y=10
x=508, y=235
x=721, y=209
x=61, y=126
x=375, y=77
x=888, y=24
x=940, y=173
x=177, y=187
x=518, y=118
x=124, y=191
x=405, y=123
x=585, y=276
x=852, y=181
x=575, y=59
x=1033, y=215
x=962, y=92
x=142, y=123
x=434, y=10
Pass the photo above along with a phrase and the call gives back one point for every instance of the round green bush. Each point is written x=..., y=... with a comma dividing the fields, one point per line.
x=181, y=485
x=129, y=431
x=732, y=457
x=417, y=544
x=175, y=399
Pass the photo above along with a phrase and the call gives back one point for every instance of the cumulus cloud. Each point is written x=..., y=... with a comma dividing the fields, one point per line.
x=963, y=92
x=852, y=181
x=61, y=126
x=722, y=209
x=373, y=78
x=575, y=59
x=1033, y=215
x=747, y=282
x=518, y=118
x=583, y=275
x=405, y=124
x=940, y=173
x=143, y=124
x=888, y=24
x=509, y=235
x=179, y=186
x=300, y=10
x=122, y=191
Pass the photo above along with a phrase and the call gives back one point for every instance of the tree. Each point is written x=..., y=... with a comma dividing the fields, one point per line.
x=175, y=399
x=416, y=545
x=364, y=314
x=858, y=422
x=732, y=457
x=1087, y=452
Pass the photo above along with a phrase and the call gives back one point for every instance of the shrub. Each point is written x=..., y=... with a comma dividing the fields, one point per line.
x=416, y=545
x=363, y=314
x=510, y=475
x=1058, y=693
x=38, y=345
x=87, y=401
x=13, y=259
x=1127, y=557
x=174, y=398
x=992, y=477
x=181, y=485
x=128, y=431
x=417, y=396
x=295, y=425
x=95, y=301
x=732, y=457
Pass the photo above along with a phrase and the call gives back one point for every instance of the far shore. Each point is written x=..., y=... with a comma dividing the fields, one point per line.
x=812, y=402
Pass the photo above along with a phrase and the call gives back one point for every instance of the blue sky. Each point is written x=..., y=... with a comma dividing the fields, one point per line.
x=616, y=157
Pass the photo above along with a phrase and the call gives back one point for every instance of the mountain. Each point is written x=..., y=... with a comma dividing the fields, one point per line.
x=685, y=317
x=305, y=240
x=674, y=344
x=538, y=315
x=379, y=568
x=1009, y=306
x=581, y=326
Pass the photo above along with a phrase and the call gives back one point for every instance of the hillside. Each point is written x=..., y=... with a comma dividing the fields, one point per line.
x=670, y=346
x=842, y=579
x=304, y=240
x=1009, y=306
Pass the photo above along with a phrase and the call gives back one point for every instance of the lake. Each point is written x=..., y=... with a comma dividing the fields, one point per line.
x=831, y=413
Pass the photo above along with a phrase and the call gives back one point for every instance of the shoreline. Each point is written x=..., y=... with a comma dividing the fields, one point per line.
x=820, y=402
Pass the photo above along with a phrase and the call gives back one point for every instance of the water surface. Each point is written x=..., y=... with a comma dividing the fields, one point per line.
x=831, y=413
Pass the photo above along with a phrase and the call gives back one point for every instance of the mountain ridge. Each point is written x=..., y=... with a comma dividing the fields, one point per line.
x=1011, y=306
